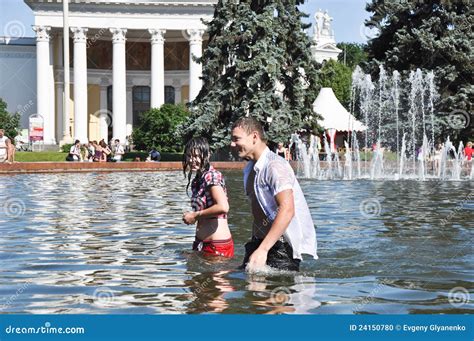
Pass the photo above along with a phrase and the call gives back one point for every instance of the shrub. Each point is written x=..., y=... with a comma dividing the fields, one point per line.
x=157, y=129
x=9, y=122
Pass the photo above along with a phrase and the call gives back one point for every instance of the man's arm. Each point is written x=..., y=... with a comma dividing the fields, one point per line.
x=286, y=212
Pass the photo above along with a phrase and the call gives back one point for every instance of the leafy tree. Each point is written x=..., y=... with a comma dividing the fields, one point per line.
x=335, y=75
x=157, y=128
x=258, y=62
x=352, y=54
x=9, y=122
x=432, y=35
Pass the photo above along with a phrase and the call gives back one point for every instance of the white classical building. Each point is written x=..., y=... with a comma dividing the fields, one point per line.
x=324, y=44
x=126, y=56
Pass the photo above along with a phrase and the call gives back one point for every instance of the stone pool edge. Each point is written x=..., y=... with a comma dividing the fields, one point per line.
x=74, y=167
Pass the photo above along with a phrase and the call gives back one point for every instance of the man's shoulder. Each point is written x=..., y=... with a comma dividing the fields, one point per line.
x=274, y=160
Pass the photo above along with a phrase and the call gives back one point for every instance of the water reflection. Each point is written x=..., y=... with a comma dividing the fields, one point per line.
x=115, y=243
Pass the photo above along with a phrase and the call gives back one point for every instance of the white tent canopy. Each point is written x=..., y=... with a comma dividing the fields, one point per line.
x=334, y=115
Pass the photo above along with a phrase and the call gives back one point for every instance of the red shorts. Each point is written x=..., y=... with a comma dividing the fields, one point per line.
x=224, y=248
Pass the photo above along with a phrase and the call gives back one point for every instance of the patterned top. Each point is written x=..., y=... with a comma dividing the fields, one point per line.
x=201, y=197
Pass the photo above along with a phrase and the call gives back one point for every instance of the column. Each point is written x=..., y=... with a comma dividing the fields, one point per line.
x=157, y=68
x=195, y=69
x=119, y=78
x=59, y=86
x=80, y=84
x=129, y=120
x=60, y=109
x=52, y=97
x=104, y=126
x=177, y=91
x=43, y=77
x=104, y=119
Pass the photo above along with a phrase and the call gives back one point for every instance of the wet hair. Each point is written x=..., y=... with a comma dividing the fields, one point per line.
x=197, y=146
x=249, y=125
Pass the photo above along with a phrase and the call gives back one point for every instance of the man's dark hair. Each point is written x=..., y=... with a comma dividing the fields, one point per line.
x=249, y=125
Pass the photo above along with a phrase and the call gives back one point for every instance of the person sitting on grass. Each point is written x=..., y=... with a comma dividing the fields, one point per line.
x=11, y=152
x=4, y=147
x=98, y=151
x=208, y=201
x=105, y=151
x=75, y=152
x=118, y=151
x=153, y=156
x=89, y=152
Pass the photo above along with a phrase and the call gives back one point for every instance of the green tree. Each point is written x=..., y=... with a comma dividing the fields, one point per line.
x=432, y=35
x=352, y=54
x=335, y=75
x=10, y=122
x=157, y=129
x=258, y=62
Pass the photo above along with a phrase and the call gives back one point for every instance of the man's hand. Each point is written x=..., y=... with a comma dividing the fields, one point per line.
x=257, y=260
x=190, y=217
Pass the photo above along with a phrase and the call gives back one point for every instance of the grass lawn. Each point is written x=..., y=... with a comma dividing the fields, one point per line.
x=59, y=156
x=40, y=156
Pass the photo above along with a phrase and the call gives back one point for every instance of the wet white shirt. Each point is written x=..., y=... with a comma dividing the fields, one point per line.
x=273, y=174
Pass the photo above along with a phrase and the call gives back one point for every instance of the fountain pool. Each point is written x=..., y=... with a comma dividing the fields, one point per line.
x=114, y=243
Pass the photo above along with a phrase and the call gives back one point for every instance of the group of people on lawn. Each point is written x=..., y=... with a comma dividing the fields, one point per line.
x=96, y=152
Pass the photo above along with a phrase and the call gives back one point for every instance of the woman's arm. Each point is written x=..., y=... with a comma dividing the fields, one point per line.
x=221, y=206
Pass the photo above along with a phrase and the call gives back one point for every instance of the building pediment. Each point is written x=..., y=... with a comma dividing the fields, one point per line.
x=328, y=48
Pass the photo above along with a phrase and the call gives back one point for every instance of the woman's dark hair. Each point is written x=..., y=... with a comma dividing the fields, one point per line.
x=199, y=147
x=76, y=142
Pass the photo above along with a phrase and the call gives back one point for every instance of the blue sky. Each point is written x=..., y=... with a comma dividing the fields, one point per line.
x=16, y=18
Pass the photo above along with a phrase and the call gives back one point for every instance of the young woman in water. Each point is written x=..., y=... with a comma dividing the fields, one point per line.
x=208, y=201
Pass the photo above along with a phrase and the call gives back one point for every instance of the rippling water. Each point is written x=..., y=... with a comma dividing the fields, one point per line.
x=115, y=243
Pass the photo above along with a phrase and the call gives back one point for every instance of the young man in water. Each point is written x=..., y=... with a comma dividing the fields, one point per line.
x=282, y=225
